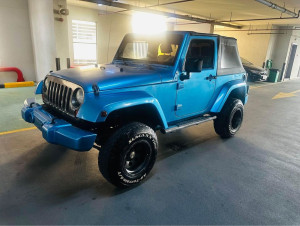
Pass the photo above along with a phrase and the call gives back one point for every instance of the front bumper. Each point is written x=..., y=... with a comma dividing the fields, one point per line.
x=57, y=131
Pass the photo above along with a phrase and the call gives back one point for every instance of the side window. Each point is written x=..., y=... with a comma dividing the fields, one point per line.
x=230, y=57
x=229, y=60
x=200, y=49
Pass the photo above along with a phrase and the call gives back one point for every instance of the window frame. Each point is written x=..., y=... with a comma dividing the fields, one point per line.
x=132, y=36
x=200, y=38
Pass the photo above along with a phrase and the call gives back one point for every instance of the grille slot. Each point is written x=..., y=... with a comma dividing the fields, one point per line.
x=59, y=94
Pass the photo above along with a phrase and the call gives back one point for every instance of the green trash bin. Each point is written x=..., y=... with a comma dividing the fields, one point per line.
x=273, y=76
x=269, y=64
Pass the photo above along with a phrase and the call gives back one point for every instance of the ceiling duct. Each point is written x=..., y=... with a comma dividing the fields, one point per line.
x=277, y=7
x=162, y=13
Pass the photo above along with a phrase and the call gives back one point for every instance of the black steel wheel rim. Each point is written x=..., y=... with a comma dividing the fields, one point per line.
x=236, y=120
x=137, y=158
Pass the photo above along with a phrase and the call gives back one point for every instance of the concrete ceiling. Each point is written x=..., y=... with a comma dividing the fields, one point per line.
x=214, y=9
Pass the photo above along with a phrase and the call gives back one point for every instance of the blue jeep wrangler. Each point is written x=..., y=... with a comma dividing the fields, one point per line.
x=164, y=82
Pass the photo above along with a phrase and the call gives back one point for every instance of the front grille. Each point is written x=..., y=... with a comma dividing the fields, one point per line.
x=59, y=94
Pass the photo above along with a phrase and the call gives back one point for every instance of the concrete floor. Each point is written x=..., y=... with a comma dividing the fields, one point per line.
x=253, y=178
x=12, y=100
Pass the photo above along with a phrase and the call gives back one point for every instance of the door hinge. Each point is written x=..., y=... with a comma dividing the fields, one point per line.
x=178, y=107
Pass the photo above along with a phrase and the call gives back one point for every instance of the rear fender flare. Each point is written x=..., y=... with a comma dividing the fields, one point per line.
x=224, y=94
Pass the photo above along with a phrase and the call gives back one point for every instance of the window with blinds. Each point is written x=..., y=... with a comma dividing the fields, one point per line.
x=84, y=42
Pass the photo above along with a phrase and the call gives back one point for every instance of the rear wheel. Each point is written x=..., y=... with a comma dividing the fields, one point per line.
x=129, y=155
x=230, y=119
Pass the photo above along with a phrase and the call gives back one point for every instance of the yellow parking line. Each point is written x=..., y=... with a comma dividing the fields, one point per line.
x=17, y=130
x=255, y=87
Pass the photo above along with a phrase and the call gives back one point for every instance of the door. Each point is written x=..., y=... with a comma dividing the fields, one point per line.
x=291, y=61
x=195, y=93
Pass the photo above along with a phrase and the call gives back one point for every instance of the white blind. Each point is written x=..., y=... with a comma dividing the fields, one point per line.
x=84, y=35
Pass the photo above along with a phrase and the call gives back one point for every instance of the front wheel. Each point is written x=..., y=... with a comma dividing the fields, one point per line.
x=129, y=155
x=230, y=119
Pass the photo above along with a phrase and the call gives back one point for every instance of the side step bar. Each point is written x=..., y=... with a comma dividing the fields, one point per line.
x=188, y=123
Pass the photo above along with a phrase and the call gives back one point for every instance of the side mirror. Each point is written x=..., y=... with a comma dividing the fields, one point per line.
x=184, y=76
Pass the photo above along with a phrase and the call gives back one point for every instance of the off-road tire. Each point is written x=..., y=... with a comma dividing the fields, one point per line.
x=230, y=119
x=116, y=154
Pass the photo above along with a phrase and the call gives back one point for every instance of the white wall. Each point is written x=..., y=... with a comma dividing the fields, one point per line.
x=15, y=40
x=61, y=34
x=43, y=36
x=111, y=29
x=251, y=47
x=295, y=38
x=279, y=47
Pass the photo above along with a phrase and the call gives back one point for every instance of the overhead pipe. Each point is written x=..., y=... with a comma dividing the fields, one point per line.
x=162, y=13
x=261, y=19
x=267, y=33
x=252, y=19
x=265, y=29
x=277, y=7
x=159, y=4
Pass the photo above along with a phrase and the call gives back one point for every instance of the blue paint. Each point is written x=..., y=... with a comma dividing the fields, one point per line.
x=39, y=88
x=197, y=88
x=124, y=86
x=226, y=89
x=58, y=131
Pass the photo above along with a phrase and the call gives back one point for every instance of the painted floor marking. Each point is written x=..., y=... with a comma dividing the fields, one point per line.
x=285, y=95
x=17, y=130
x=256, y=87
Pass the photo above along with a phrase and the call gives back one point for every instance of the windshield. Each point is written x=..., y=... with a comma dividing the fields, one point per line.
x=244, y=61
x=150, y=49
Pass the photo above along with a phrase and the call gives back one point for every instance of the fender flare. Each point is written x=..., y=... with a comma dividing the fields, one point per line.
x=224, y=94
x=39, y=88
x=117, y=101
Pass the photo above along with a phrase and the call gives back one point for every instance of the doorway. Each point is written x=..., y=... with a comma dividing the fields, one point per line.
x=291, y=60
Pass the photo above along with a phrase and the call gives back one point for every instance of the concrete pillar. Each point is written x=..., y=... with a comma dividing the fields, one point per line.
x=212, y=29
x=170, y=26
x=43, y=36
x=61, y=34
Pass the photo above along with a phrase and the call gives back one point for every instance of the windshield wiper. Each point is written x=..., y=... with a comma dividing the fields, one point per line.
x=122, y=61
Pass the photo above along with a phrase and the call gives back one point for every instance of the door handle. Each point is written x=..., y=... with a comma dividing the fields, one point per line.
x=211, y=77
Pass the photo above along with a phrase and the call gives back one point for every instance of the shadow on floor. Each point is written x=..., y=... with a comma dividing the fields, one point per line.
x=63, y=173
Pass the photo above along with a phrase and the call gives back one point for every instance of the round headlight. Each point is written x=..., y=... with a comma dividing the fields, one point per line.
x=77, y=98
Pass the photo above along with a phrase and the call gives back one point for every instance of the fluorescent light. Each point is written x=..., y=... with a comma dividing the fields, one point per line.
x=100, y=4
x=146, y=23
